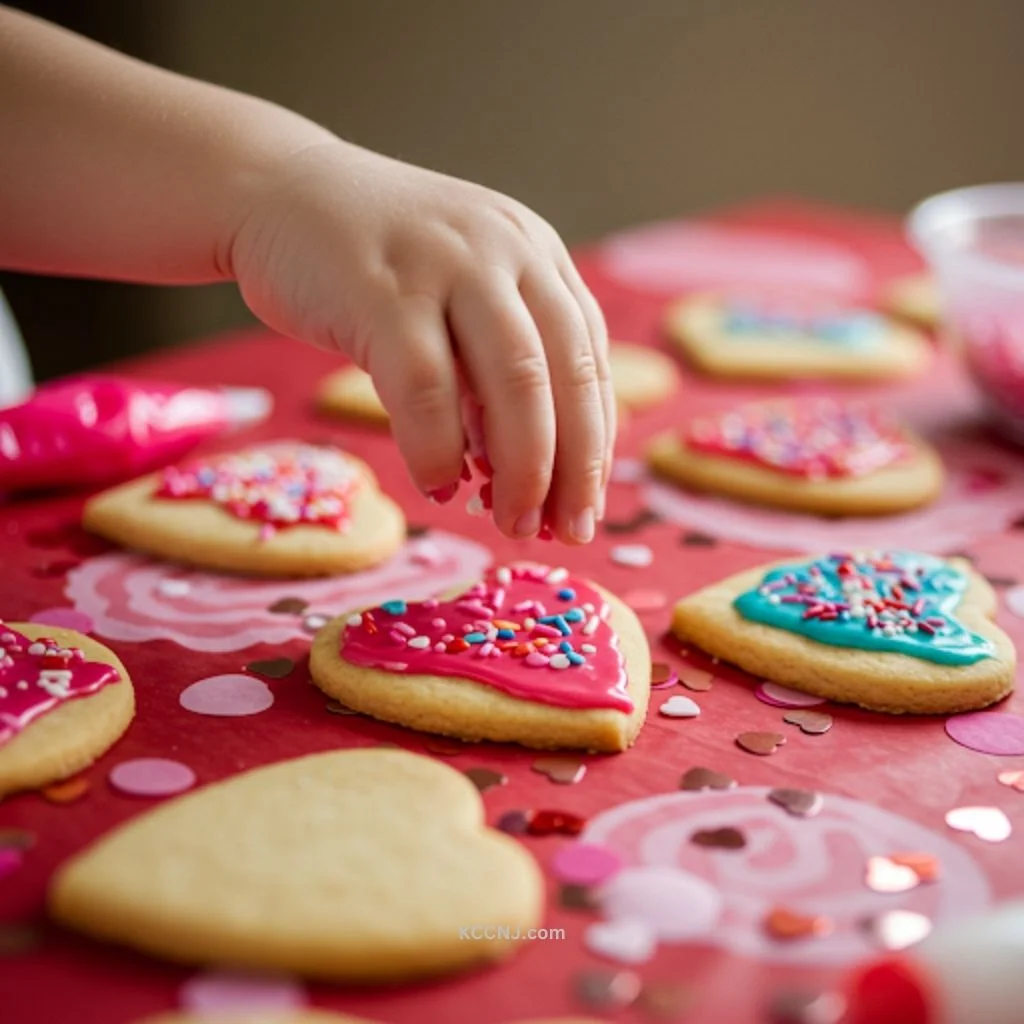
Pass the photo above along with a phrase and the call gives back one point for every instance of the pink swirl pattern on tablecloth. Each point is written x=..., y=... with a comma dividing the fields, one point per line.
x=814, y=866
x=132, y=597
x=984, y=493
x=682, y=255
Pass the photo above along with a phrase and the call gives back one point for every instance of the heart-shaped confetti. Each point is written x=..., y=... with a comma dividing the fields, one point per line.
x=1013, y=779
x=663, y=675
x=786, y=925
x=883, y=875
x=577, y=897
x=314, y=623
x=801, y=803
x=288, y=606
x=272, y=668
x=66, y=791
x=987, y=823
x=485, y=778
x=632, y=525
x=564, y=770
x=549, y=823
x=988, y=732
x=152, y=776
x=335, y=707
x=513, y=822
x=625, y=941
x=635, y=556
x=606, y=990
x=696, y=779
x=696, y=679
x=585, y=864
x=726, y=838
x=666, y=1000
x=813, y=723
x=760, y=743
x=924, y=865
x=442, y=746
x=679, y=707
x=227, y=696
x=899, y=929
x=783, y=697
x=695, y=539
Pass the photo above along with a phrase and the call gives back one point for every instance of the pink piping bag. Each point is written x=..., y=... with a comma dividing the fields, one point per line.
x=95, y=429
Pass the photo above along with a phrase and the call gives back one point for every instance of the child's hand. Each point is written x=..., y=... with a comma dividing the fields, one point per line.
x=419, y=277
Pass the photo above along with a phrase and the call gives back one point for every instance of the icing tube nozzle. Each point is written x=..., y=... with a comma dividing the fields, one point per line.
x=967, y=973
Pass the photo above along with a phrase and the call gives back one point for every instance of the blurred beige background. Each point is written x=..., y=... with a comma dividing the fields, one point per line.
x=599, y=113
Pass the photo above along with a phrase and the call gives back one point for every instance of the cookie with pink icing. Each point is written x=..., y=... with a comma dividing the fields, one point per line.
x=285, y=509
x=530, y=654
x=64, y=700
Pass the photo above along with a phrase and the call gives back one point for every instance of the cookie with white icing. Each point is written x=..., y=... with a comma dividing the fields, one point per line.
x=529, y=655
x=756, y=338
x=284, y=509
x=892, y=631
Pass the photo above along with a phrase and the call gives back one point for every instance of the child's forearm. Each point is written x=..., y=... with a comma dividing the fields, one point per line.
x=116, y=169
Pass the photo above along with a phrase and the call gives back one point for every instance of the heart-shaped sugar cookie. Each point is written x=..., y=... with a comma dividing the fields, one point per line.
x=305, y=867
x=529, y=654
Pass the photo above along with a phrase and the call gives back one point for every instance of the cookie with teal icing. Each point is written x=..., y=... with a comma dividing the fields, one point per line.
x=893, y=631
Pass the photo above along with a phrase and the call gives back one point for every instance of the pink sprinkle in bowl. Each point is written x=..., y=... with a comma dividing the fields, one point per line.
x=973, y=240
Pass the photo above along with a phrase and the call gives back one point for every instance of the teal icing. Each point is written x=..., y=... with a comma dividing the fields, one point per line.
x=857, y=329
x=846, y=585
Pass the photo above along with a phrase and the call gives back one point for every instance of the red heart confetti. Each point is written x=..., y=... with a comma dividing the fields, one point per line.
x=550, y=823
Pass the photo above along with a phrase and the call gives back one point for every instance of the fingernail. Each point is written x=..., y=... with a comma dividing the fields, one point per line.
x=599, y=514
x=527, y=524
x=442, y=495
x=581, y=526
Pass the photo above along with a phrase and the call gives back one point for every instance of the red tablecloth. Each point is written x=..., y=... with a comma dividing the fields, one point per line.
x=906, y=766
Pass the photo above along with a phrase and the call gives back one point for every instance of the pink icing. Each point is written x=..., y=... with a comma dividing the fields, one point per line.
x=37, y=675
x=533, y=632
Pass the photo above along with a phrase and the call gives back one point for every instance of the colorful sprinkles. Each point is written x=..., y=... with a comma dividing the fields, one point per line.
x=277, y=486
x=770, y=320
x=813, y=438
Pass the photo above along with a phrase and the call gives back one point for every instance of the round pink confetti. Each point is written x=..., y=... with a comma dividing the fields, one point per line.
x=228, y=992
x=10, y=860
x=228, y=696
x=676, y=905
x=585, y=864
x=988, y=732
x=152, y=776
x=64, y=618
x=645, y=600
x=783, y=697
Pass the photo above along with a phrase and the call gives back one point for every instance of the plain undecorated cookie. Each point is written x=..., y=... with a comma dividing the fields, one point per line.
x=349, y=393
x=471, y=710
x=356, y=865
x=910, y=483
x=916, y=299
x=696, y=325
x=880, y=681
x=70, y=736
x=202, y=533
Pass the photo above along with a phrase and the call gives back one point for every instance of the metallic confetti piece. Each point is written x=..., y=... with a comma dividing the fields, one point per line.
x=760, y=743
x=644, y=600
x=696, y=779
x=578, y=897
x=513, y=822
x=337, y=708
x=414, y=530
x=783, y=697
x=666, y=1000
x=67, y=791
x=632, y=556
x=882, y=875
x=624, y=940
x=794, y=1007
x=1015, y=780
x=696, y=679
x=801, y=803
x=288, y=606
x=663, y=675
x=987, y=823
x=272, y=668
x=564, y=770
x=786, y=925
x=442, y=746
x=924, y=865
x=16, y=939
x=632, y=525
x=549, y=823
x=679, y=707
x=16, y=838
x=485, y=778
x=314, y=623
x=726, y=838
x=813, y=723
x=606, y=990
x=695, y=539
x=898, y=929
